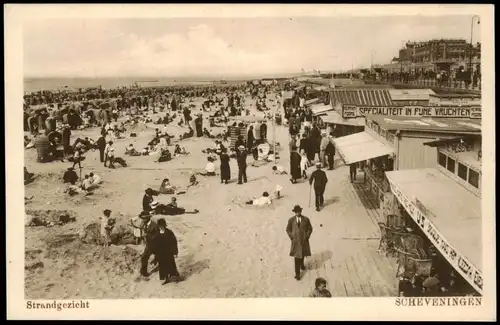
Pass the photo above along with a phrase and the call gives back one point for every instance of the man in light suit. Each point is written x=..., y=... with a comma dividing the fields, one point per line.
x=299, y=230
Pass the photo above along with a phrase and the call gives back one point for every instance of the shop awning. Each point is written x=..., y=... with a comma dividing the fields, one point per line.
x=335, y=118
x=360, y=146
x=440, y=142
x=312, y=101
x=452, y=217
x=320, y=109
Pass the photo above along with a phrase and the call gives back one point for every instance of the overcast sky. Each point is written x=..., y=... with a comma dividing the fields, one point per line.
x=222, y=46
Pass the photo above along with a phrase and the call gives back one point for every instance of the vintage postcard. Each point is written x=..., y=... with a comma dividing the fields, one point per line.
x=243, y=161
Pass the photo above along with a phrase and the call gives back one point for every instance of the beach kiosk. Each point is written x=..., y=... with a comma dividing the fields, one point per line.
x=444, y=203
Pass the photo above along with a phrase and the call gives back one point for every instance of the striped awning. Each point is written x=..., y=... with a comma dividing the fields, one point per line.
x=363, y=97
x=360, y=146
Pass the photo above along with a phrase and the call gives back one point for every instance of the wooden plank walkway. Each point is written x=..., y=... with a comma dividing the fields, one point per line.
x=349, y=259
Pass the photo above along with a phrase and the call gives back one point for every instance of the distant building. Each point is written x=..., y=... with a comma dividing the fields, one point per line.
x=437, y=55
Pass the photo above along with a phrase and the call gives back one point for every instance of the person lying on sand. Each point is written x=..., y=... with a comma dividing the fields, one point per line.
x=87, y=184
x=170, y=209
x=130, y=150
x=95, y=179
x=166, y=187
x=165, y=155
x=207, y=133
x=263, y=200
x=180, y=151
x=188, y=134
x=279, y=170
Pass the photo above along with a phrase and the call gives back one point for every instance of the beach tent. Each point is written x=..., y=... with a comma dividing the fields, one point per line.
x=42, y=148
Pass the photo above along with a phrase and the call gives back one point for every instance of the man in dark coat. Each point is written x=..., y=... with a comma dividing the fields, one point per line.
x=101, y=145
x=299, y=230
x=295, y=171
x=315, y=139
x=70, y=176
x=150, y=231
x=66, y=136
x=166, y=250
x=242, y=164
x=187, y=115
x=330, y=152
x=319, y=178
x=198, y=123
x=263, y=131
x=225, y=168
x=250, y=139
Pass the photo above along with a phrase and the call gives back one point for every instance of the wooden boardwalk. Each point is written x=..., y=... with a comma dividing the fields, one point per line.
x=347, y=256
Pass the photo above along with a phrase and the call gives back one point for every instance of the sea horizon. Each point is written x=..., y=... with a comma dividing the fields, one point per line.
x=37, y=83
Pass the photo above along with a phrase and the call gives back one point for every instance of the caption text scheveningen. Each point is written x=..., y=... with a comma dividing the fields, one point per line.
x=58, y=305
x=447, y=301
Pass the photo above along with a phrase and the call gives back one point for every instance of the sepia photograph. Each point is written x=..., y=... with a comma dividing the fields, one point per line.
x=260, y=156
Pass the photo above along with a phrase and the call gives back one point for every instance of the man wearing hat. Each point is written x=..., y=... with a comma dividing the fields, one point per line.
x=198, y=123
x=299, y=230
x=147, y=199
x=242, y=164
x=150, y=232
x=319, y=178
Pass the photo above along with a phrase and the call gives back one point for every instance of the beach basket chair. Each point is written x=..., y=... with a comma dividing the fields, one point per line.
x=415, y=244
x=422, y=267
x=384, y=236
x=394, y=221
x=42, y=148
x=405, y=263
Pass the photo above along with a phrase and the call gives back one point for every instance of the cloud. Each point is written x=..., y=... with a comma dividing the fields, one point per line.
x=223, y=47
x=199, y=51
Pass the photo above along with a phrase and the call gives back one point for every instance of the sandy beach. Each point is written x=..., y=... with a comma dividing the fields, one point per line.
x=229, y=249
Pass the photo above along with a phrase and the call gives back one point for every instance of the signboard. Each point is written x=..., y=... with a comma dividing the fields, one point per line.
x=460, y=101
x=351, y=111
x=459, y=262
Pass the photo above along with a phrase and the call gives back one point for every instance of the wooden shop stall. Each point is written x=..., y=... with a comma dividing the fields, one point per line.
x=444, y=203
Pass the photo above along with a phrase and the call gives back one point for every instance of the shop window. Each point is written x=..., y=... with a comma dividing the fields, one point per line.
x=474, y=178
x=442, y=159
x=462, y=171
x=451, y=165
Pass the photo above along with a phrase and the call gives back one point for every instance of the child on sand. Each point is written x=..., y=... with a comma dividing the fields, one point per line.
x=136, y=223
x=192, y=180
x=320, y=291
x=263, y=200
x=304, y=162
x=107, y=224
x=278, y=169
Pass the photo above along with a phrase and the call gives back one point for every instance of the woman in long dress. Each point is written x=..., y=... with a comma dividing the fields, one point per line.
x=225, y=169
x=295, y=159
x=166, y=250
